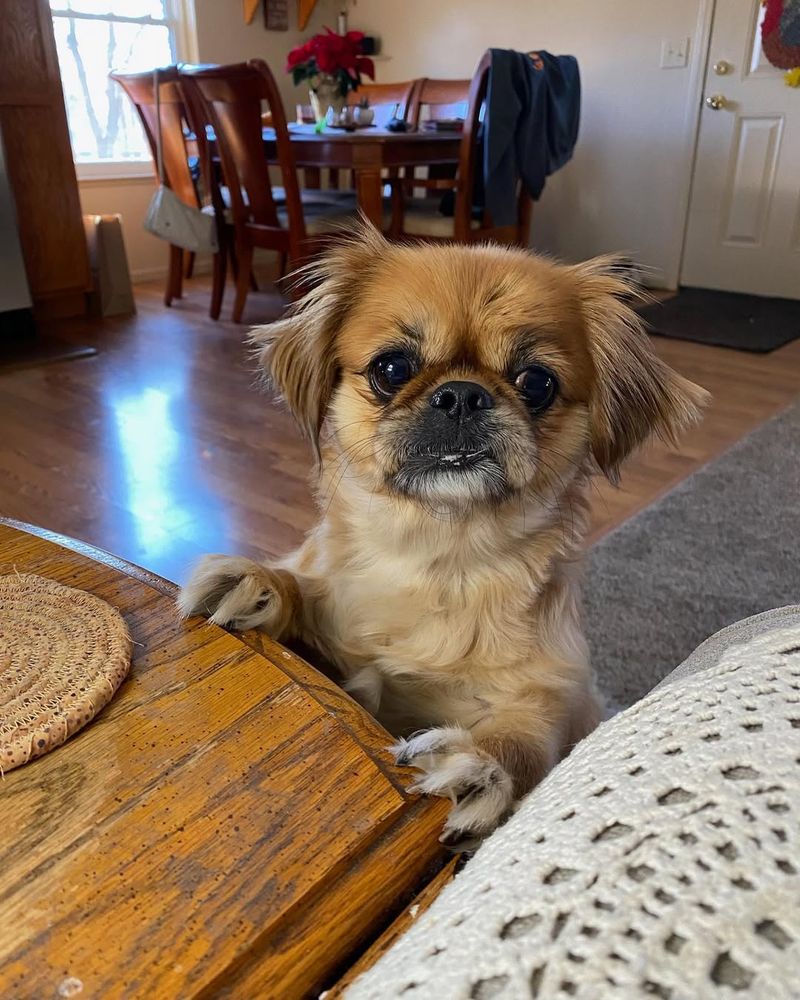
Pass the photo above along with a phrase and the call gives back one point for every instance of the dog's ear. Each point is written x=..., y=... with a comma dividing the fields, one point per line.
x=299, y=352
x=634, y=394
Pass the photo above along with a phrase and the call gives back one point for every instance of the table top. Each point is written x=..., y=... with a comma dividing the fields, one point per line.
x=229, y=823
x=372, y=133
x=368, y=149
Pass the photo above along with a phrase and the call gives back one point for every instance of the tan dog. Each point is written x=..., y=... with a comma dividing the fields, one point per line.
x=470, y=393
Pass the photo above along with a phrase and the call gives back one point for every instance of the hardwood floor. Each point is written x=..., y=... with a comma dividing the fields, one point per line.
x=161, y=448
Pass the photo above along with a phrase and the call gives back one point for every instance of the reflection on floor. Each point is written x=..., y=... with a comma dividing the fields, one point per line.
x=161, y=447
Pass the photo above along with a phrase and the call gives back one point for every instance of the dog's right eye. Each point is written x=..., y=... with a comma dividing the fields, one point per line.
x=389, y=372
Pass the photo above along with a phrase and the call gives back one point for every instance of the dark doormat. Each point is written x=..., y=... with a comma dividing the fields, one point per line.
x=725, y=319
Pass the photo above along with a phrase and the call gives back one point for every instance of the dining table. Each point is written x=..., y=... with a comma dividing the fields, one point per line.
x=368, y=153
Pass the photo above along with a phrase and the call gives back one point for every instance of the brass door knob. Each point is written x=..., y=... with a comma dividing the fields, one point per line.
x=716, y=102
x=722, y=68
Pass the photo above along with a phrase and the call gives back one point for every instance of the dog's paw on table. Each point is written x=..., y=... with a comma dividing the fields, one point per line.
x=237, y=593
x=454, y=767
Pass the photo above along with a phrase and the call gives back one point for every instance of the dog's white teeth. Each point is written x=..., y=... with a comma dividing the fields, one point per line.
x=452, y=458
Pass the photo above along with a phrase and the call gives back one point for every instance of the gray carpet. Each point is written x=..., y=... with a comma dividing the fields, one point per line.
x=723, y=545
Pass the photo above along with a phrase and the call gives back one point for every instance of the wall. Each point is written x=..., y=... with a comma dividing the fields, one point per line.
x=222, y=36
x=627, y=186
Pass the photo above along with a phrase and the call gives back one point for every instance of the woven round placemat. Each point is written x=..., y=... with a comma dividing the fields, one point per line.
x=63, y=654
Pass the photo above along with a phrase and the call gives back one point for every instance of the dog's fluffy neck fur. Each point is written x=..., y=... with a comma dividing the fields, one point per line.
x=380, y=526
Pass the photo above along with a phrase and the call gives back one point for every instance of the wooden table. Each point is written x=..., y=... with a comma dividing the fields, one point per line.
x=367, y=152
x=229, y=826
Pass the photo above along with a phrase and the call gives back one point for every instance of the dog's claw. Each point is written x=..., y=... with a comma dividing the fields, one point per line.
x=459, y=841
x=452, y=766
x=401, y=753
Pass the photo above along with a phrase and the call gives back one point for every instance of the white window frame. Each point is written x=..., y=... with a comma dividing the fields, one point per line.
x=182, y=27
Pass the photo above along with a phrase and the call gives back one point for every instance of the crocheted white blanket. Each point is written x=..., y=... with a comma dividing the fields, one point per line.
x=661, y=859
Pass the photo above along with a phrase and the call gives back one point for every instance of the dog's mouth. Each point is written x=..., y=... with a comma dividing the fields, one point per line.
x=453, y=461
x=451, y=475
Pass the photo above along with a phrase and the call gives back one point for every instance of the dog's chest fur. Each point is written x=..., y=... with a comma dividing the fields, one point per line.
x=429, y=619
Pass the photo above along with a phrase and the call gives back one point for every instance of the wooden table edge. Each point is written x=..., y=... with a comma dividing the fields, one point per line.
x=369, y=734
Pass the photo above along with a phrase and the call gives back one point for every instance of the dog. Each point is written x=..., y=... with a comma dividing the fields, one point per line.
x=458, y=398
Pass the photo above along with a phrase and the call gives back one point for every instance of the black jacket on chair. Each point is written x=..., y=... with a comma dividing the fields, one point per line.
x=531, y=125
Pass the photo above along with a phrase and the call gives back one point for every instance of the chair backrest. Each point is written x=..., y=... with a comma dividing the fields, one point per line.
x=470, y=148
x=234, y=97
x=140, y=88
x=387, y=100
x=434, y=100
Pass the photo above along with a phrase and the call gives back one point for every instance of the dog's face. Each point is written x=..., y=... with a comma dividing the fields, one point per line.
x=463, y=377
x=460, y=376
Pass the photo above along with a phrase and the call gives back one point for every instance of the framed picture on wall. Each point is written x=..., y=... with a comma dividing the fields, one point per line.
x=276, y=15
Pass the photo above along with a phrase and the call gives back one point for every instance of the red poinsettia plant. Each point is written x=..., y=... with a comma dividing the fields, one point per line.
x=331, y=55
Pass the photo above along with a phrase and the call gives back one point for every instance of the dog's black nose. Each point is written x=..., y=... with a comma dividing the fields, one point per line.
x=461, y=399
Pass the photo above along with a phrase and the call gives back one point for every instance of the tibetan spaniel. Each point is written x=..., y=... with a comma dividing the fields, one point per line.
x=459, y=399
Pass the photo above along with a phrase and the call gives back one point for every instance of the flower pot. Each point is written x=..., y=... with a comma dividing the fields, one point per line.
x=324, y=96
x=364, y=116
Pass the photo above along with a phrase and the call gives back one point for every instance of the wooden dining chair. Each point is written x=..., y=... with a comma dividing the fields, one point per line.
x=387, y=100
x=437, y=100
x=233, y=98
x=177, y=119
x=420, y=218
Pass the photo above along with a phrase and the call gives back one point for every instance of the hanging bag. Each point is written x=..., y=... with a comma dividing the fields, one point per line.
x=168, y=217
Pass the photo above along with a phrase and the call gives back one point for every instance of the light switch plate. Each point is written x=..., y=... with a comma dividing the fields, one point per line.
x=674, y=53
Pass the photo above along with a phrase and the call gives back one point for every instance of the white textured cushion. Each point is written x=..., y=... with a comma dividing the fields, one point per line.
x=423, y=218
x=661, y=859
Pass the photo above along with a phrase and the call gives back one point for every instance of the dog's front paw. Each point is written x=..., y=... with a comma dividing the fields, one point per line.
x=454, y=767
x=236, y=593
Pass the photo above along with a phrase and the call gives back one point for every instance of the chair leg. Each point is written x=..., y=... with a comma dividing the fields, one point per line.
x=188, y=263
x=174, y=275
x=283, y=261
x=244, y=254
x=218, y=282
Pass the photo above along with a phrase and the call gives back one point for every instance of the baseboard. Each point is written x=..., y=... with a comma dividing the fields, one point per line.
x=148, y=274
x=141, y=274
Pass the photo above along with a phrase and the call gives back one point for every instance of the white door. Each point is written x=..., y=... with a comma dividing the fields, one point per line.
x=743, y=232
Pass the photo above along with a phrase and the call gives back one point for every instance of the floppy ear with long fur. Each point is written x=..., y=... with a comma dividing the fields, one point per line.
x=298, y=353
x=635, y=394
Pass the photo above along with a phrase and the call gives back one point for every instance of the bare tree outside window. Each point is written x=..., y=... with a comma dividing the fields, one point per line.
x=94, y=37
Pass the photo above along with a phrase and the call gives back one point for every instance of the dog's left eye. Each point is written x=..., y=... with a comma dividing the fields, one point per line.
x=538, y=387
x=389, y=372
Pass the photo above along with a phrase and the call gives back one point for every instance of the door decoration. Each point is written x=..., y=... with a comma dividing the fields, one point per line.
x=780, y=37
